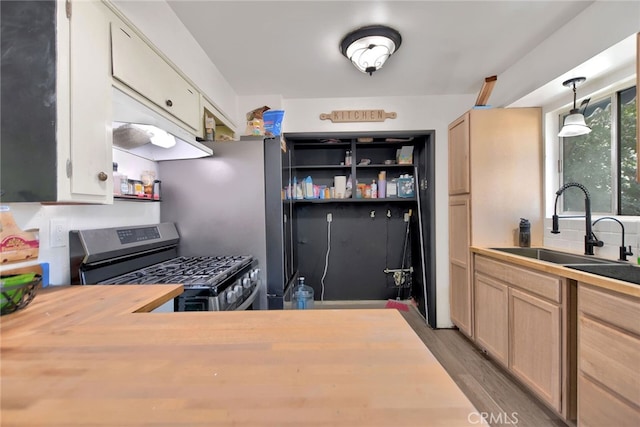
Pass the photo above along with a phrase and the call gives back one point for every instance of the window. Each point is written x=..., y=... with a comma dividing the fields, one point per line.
x=605, y=160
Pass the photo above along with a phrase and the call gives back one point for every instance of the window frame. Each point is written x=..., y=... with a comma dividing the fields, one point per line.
x=616, y=142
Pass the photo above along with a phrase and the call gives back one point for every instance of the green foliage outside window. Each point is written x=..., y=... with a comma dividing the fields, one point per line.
x=588, y=159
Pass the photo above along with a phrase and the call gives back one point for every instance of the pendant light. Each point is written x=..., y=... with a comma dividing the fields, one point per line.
x=369, y=47
x=574, y=124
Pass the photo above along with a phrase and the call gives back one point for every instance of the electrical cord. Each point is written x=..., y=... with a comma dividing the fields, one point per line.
x=326, y=260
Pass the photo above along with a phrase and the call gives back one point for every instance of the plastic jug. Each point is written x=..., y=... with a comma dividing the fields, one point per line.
x=302, y=297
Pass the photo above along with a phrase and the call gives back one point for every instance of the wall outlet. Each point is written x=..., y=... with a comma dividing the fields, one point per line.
x=58, y=232
x=329, y=217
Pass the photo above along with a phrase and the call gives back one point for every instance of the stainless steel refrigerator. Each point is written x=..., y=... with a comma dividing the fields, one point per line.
x=231, y=203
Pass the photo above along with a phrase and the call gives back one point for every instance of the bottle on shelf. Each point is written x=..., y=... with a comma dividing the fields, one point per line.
x=347, y=158
x=117, y=177
x=382, y=184
x=374, y=190
x=302, y=297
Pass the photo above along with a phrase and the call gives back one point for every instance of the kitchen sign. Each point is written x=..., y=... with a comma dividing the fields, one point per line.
x=345, y=116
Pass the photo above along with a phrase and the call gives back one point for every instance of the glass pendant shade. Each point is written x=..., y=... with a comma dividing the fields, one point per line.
x=368, y=48
x=574, y=125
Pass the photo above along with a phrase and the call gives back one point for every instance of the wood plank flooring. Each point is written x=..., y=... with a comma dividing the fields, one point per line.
x=487, y=385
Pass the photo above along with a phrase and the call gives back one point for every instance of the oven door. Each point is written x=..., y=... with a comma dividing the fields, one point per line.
x=193, y=300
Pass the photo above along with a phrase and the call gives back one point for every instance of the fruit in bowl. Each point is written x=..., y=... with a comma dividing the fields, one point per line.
x=16, y=291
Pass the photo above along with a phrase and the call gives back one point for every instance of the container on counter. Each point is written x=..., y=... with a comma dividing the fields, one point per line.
x=135, y=187
x=524, y=234
x=302, y=296
x=124, y=185
x=148, y=178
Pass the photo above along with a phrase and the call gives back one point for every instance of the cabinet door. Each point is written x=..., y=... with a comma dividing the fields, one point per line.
x=459, y=181
x=491, y=311
x=535, y=345
x=138, y=66
x=460, y=283
x=90, y=103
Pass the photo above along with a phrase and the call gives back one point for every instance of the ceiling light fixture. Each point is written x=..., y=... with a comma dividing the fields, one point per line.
x=369, y=47
x=574, y=123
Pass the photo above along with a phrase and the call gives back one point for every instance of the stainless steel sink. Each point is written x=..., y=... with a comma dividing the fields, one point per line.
x=624, y=272
x=603, y=267
x=556, y=257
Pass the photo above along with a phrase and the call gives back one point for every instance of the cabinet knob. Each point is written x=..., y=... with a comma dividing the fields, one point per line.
x=103, y=176
x=169, y=103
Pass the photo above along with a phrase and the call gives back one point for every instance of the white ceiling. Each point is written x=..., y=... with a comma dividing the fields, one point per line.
x=291, y=48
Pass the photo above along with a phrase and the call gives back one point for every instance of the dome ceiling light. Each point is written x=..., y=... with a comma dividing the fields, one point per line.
x=574, y=123
x=369, y=47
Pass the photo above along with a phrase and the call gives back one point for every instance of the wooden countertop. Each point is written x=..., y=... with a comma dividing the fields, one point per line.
x=557, y=269
x=85, y=355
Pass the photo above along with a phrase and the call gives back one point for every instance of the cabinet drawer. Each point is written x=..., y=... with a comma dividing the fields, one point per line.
x=599, y=408
x=618, y=310
x=540, y=284
x=610, y=357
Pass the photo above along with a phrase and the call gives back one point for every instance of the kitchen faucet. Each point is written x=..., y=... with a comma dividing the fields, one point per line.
x=590, y=239
x=623, y=250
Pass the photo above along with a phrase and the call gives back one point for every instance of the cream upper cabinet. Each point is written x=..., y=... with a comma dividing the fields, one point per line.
x=56, y=131
x=90, y=166
x=142, y=69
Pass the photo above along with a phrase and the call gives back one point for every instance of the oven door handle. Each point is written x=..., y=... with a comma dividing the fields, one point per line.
x=249, y=299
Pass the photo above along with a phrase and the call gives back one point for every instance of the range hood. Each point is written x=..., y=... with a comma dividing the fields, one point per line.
x=131, y=133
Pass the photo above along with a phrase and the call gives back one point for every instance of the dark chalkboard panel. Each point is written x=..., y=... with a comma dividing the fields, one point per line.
x=28, y=101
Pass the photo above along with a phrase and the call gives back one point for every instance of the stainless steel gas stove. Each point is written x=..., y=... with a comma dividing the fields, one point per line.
x=149, y=255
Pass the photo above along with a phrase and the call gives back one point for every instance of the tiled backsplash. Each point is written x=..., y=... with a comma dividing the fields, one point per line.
x=572, y=231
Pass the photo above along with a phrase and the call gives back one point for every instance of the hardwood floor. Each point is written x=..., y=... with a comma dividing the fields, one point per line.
x=489, y=387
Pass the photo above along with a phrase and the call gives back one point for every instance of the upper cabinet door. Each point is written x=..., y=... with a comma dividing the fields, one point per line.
x=90, y=96
x=137, y=65
x=459, y=182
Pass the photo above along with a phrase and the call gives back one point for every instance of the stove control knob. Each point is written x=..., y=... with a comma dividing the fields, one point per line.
x=231, y=296
x=246, y=283
x=254, y=273
x=237, y=289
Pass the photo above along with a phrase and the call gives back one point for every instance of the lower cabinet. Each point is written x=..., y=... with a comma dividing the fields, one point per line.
x=521, y=321
x=460, y=292
x=535, y=344
x=492, y=317
x=608, y=358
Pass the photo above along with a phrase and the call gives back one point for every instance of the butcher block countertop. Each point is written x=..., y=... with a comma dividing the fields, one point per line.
x=559, y=270
x=91, y=355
